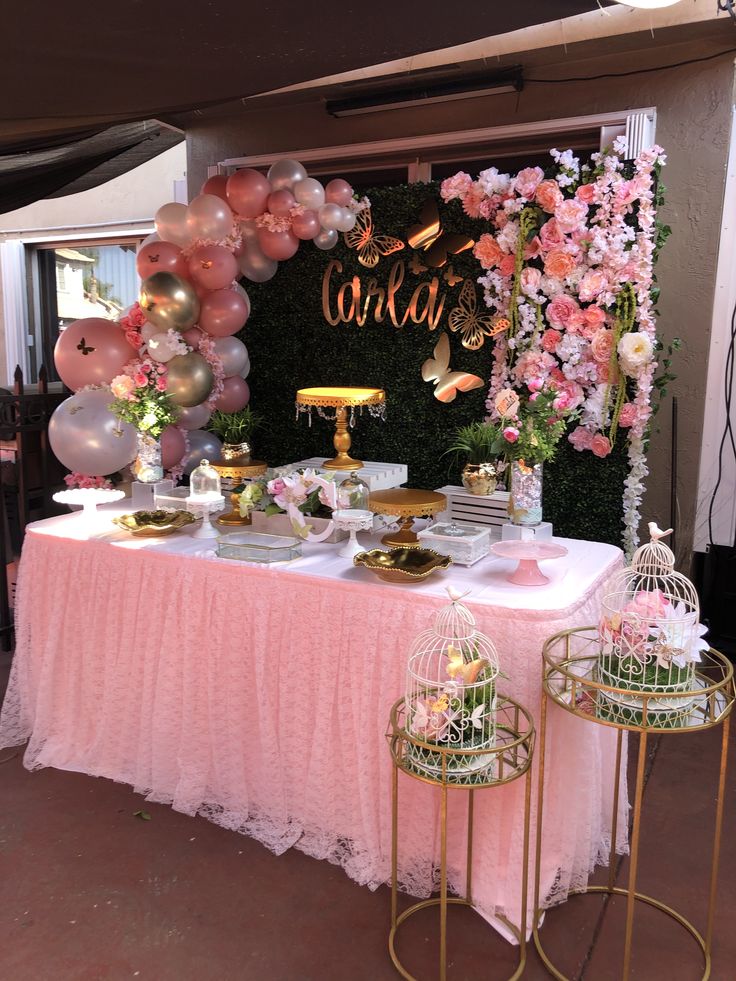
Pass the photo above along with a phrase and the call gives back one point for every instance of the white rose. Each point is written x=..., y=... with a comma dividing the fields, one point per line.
x=634, y=352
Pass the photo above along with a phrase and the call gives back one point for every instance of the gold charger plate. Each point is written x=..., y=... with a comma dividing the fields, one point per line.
x=402, y=565
x=154, y=524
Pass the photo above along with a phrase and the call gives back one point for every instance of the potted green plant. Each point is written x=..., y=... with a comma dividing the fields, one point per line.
x=480, y=446
x=235, y=429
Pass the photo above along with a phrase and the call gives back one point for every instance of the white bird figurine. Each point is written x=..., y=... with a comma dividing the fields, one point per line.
x=655, y=532
x=456, y=596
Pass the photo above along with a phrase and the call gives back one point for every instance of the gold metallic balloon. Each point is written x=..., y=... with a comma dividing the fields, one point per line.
x=189, y=379
x=169, y=301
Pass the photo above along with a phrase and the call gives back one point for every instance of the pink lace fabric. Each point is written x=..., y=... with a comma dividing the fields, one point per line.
x=260, y=698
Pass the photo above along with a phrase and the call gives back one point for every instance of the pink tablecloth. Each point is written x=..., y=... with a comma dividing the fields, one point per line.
x=259, y=698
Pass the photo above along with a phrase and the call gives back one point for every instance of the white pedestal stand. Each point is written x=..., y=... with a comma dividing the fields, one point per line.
x=205, y=506
x=352, y=520
x=89, y=498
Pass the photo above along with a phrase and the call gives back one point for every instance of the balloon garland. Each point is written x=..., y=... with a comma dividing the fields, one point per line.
x=172, y=358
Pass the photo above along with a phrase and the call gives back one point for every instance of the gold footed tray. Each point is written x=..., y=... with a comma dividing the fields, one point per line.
x=154, y=524
x=240, y=469
x=402, y=565
x=406, y=503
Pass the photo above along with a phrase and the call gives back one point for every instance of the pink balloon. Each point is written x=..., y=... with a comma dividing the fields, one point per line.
x=339, y=192
x=235, y=394
x=160, y=257
x=281, y=202
x=247, y=192
x=193, y=416
x=91, y=352
x=192, y=337
x=306, y=226
x=215, y=185
x=213, y=267
x=223, y=313
x=173, y=447
x=277, y=245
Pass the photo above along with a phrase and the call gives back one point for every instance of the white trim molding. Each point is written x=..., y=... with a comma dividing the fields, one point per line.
x=14, y=307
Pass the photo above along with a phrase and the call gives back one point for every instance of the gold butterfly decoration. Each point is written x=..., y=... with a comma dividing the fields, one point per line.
x=472, y=326
x=416, y=265
x=447, y=383
x=451, y=277
x=427, y=236
x=458, y=666
x=370, y=246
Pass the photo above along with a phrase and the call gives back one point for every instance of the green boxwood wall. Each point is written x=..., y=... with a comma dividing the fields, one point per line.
x=292, y=346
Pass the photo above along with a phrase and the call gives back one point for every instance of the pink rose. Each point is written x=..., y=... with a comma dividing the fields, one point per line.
x=603, y=372
x=550, y=235
x=511, y=434
x=628, y=415
x=456, y=186
x=507, y=265
x=591, y=285
x=534, y=396
x=580, y=438
x=501, y=220
x=648, y=604
x=556, y=376
x=600, y=445
x=140, y=379
x=487, y=251
x=562, y=402
x=585, y=193
x=276, y=486
x=601, y=345
x=533, y=249
x=573, y=392
x=160, y=384
x=549, y=196
x=559, y=264
x=535, y=384
x=531, y=280
x=562, y=310
x=550, y=339
x=570, y=215
x=528, y=180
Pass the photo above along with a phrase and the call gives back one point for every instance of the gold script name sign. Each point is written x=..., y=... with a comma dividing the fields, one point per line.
x=355, y=300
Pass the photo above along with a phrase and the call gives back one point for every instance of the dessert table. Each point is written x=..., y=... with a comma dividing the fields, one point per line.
x=259, y=696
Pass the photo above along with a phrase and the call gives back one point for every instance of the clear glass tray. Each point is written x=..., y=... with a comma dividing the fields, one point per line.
x=250, y=546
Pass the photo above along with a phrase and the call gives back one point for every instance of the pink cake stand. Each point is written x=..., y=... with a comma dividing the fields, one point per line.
x=527, y=572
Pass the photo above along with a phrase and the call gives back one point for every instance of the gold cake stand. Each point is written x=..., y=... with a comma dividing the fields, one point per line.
x=238, y=469
x=340, y=399
x=406, y=503
x=508, y=759
x=570, y=662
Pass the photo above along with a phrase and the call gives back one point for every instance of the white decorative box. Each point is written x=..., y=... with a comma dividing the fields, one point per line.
x=469, y=545
x=491, y=511
x=378, y=476
x=526, y=533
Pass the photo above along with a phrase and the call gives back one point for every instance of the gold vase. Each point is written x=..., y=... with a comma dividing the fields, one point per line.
x=480, y=478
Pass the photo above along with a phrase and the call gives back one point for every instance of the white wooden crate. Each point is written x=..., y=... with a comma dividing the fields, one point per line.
x=476, y=509
x=378, y=476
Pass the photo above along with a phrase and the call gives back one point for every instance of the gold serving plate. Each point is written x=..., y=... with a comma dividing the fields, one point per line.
x=154, y=524
x=402, y=565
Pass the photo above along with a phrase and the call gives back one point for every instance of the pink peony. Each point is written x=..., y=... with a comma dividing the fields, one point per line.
x=160, y=384
x=600, y=445
x=559, y=264
x=628, y=415
x=121, y=386
x=550, y=339
x=487, y=251
x=549, y=196
x=601, y=345
x=648, y=604
x=570, y=215
x=511, y=434
x=507, y=265
x=562, y=402
x=140, y=379
x=586, y=193
x=550, y=235
x=535, y=385
x=527, y=181
x=501, y=220
x=591, y=285
x=531, y=280
x=456, y=186
x=580, y=438
x=276, y=486
x=562, y=310
x=533, y=365
x=573, y=392
x=533, y=249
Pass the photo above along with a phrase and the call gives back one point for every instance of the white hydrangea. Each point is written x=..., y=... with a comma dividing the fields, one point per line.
x=494, y=182
x=634, y=352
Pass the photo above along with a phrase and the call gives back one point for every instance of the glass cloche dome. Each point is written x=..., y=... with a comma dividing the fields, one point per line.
x=352, y=492
x=204, y=482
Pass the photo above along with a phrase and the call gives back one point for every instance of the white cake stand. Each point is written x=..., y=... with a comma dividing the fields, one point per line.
x=89, y=498
x=352, y=520
x=205, y=506
x=527, y=572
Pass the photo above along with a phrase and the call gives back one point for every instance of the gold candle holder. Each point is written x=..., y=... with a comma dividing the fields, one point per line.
x=237, y=471
x=406, y=503
x=341, y=399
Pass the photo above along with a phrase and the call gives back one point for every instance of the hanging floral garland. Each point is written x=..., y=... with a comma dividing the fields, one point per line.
x=569, y=263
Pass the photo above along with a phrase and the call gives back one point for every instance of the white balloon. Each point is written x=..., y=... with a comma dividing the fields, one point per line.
x=347, y=220
x=159, y=348
x=257, y=267
x=153, y=237
x=327, y=239
x=285, y=173
x=309, y=193
x=193, y=416
x=246, y=369
x=148, y=331
x=209, y=217
x=87, y=438
x=171, y=223
x=232, y=353
x=330, y=215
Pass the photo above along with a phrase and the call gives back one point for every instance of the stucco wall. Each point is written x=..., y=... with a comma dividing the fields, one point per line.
x=693, y=124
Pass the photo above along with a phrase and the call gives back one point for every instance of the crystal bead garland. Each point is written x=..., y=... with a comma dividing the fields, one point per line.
x=526, y=493
x=148, y=467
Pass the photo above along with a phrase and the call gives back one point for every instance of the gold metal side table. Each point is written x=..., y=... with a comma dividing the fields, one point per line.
x=509, y=758
x=406, y=503
x=238, y=470
x=570, y=671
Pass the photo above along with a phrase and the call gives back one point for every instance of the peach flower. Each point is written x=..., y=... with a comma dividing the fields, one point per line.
x=550, y=235
x=528, y=180
x=591, y=285
x=487, y=251
x=549, y=196
x=559, y=264
x=600, y=445
x=570, y=215
x=531, y=280
x=585, y=193
x=507, y=265
x=628, y=415
x=121, y=386
x=601, y=345
x=550, y=339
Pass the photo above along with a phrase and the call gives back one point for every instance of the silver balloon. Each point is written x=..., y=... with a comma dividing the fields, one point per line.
x=347, y=220
x=169, y=301
x=284, y=174
x=193, y=416
x=327, y=239
x=202, y=446
x=257, y=267
x=189, y=379
x=246, y=367
x=330, y=215
x=246, y=299
x=309, y=193
x=87, y=438
x=232, y=353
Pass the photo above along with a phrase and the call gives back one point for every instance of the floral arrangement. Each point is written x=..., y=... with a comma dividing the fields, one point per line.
x=568, y=264
x=531, y=427
x=132, y=322
x=83, y=481
x=296, y=492
x=140, y=397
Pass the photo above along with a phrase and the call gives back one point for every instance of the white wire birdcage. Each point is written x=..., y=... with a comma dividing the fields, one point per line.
x=450, y=702
x=650, y=634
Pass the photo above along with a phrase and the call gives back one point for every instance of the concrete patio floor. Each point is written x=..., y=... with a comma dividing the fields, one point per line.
x=88, y=892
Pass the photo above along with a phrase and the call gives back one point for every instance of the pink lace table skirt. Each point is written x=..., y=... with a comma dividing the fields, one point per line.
x=260, y=698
